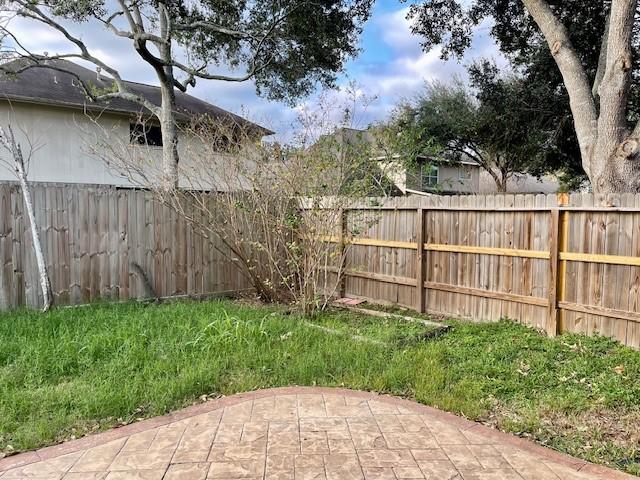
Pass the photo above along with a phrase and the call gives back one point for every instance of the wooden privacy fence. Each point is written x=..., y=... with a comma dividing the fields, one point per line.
x=568, y=265
x=559, y=263
x=93, y=236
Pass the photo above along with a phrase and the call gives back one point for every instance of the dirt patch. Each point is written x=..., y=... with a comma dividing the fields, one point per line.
x=596, y=435
x=620, y=428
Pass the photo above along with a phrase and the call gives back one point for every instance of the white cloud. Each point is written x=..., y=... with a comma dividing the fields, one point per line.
x=395, y=75
x=405, y=74
x=396, y=31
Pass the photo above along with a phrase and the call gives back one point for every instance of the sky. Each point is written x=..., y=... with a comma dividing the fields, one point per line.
x=391, y=67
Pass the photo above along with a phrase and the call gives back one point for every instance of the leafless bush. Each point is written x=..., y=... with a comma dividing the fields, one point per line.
x=274, y=209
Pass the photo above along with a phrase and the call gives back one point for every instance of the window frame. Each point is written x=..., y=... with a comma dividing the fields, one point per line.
x=464, y=174
x=430, y=176
x=139, y=134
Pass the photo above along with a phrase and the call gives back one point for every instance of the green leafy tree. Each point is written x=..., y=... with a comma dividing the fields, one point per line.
x=585, y=49
x=285, y=47
x=496, y=123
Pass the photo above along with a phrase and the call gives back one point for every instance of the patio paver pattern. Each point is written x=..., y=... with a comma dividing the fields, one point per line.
x=301, y=434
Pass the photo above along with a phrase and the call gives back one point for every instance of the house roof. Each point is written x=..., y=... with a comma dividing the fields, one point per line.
x=464, y=160
x=46, y=85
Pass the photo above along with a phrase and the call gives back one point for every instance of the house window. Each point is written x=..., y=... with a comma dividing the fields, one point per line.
x=429, y=176
x=145, y=134
x=464, y=173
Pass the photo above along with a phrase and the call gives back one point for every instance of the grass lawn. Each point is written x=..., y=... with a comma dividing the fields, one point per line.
x=73, y=371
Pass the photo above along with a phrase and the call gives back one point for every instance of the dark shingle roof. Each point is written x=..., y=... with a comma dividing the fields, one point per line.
x=47, y=85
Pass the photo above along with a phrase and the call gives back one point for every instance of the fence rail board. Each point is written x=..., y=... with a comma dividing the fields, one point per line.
x=91, y=236
x=542, y=302
x=503, y=252
x=558, y=263
x=595, y=258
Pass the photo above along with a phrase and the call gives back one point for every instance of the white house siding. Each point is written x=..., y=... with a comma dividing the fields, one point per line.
x=64, y=139
x=61, y=139
x=520, y=184
x=450, y=181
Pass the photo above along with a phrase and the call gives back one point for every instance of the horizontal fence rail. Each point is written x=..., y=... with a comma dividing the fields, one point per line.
x=556, y=262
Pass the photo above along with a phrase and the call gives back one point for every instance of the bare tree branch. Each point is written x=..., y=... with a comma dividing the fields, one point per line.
x=573, y=74
x=9, y=143
x=31, y=11
x=602, y=59
x=212, y=27
x=199, y=73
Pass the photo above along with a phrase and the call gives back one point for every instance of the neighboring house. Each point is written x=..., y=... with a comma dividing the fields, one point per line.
x=48, y=109
x=466, y=176
x=430, y=175
x=425, y=175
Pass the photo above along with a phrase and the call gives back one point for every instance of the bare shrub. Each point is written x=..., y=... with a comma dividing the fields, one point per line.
x=275, y=209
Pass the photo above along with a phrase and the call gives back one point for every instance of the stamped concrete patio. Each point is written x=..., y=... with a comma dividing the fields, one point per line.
x=301, y=433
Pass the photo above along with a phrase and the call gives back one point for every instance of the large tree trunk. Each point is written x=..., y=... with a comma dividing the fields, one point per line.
x=503, y=181
x=614, y=164
x=168, y=121
x=616, y=172
x=167, y=112
x=170, y=157
x=610, y=150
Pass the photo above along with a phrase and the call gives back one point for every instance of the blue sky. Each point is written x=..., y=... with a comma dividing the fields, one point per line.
x=391, y=66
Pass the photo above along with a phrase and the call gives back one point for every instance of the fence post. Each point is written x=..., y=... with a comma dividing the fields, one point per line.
x=552, y=315
x=342, y=290
x=420, y=270
x=557, y=268
x=563, y=244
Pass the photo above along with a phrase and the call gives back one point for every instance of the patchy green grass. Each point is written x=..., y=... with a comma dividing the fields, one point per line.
x=72, y=371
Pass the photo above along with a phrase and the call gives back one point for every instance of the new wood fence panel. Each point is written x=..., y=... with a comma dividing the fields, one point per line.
x=506, y=272
x=633, y=328
x=382, y=271
x=451, y=263
x=480, y=239
x=406, y=259
x=568, y=266
x=486, y=261
x=573, y=273
x=610, y=272
x=517, y=239
x=466, y=230
x=496, y=233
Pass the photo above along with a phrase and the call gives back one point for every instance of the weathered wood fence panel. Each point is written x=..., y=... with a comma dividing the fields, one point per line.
x=558, y=263
x=92, y=235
